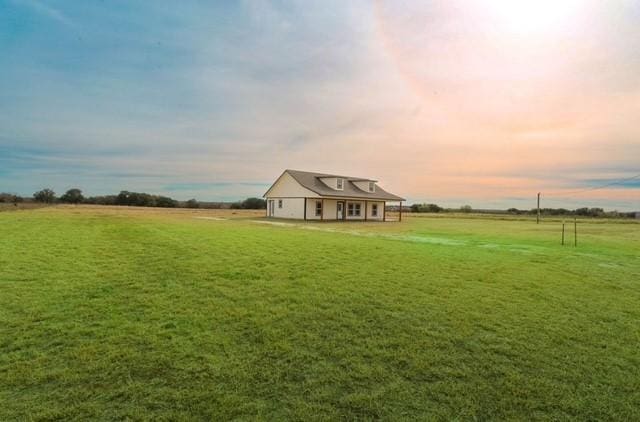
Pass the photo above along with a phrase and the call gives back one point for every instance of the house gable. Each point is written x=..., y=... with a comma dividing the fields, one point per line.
x=288, y=187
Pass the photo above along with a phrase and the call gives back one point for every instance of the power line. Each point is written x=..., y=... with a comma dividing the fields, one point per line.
x=592, y=188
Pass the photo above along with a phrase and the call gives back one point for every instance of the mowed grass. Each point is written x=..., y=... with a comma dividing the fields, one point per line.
x=117, y=313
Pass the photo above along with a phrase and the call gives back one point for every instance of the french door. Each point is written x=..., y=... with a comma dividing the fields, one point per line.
x=271, y=207
x=340, y=210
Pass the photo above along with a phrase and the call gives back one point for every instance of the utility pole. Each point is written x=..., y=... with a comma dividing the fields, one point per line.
x=538, y=214
x=575, y=231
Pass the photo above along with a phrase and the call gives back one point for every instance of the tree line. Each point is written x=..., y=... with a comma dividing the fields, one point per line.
x=126, y=198
x=141, y=199
x=582, y=212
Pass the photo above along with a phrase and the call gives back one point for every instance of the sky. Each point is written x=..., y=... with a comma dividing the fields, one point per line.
x=479, y=102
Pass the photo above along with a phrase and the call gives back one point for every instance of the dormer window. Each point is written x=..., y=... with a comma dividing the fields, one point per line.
x=340, y=184
x=372, y=187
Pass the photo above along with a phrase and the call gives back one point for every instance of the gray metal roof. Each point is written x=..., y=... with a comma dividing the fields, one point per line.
x=312, y=182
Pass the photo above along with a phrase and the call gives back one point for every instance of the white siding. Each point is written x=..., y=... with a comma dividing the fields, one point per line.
x=292, y=195
x=291, y=208
x=370, y=210
x=329, y=209
x=311, y=209
x=294, y=208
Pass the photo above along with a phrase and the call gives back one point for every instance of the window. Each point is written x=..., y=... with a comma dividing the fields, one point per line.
x=279, y=203
x=340, y=184
x=318, y=208
x=372, y=186
x=374, y=210
x=353, y=209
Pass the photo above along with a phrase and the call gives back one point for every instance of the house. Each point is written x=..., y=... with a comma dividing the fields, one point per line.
x=304, y=195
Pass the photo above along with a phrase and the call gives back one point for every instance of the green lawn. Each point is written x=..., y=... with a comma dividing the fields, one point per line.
x=121, y=313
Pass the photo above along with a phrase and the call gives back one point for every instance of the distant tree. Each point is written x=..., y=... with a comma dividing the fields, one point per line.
x=236, y=205
x=513, y=211
x=123, y=198
x=142, y=200
x=72, y=196
x=254, y=204
x=192, y=203
x=10, y=198
x=101, y=200
x=135, y=199
x=47, y=196
x=165, y=202
x=582, y=211
x=590, y=212
x=433, y=208
x=466, y=208
x=426, y=208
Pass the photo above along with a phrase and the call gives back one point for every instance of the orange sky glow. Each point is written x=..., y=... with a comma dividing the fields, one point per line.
x=514, y=97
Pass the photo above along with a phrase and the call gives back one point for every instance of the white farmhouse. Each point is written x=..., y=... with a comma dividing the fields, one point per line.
x=304, y=195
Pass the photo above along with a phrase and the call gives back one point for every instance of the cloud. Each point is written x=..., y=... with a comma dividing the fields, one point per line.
x=45, y=10
x=209, y=99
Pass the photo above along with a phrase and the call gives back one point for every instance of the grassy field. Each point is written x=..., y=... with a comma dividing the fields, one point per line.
x=109, y=313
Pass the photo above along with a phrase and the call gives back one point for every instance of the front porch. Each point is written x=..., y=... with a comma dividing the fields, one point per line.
x=346, y=209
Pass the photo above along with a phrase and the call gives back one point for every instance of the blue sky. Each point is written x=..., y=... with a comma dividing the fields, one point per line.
x=214, y=99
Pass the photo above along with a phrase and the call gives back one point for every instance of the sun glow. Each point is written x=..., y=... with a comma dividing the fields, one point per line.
x=534, y=16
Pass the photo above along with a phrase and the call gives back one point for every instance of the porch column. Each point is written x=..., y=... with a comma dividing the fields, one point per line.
x=305, y=209
x=400, y=216
x=366, y=206
x=322, y=210
x=384, y=211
